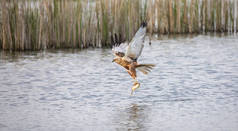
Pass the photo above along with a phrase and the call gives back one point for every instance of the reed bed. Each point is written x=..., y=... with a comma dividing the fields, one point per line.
x=42, y=24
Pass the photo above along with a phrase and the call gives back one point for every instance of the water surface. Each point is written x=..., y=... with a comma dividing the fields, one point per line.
x=194, y=86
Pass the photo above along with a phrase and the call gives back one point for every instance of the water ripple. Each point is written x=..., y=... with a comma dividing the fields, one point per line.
x=192, y=87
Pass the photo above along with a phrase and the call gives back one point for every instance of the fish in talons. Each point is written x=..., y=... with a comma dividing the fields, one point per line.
x=134, y=87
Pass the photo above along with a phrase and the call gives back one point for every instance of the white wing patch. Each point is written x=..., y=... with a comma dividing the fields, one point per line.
x=120, y=49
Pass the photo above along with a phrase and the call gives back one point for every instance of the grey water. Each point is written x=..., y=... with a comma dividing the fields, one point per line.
x=194, y=87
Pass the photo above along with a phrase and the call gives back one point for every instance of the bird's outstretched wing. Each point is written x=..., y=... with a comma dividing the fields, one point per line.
x=137, y=43
x=120, y=49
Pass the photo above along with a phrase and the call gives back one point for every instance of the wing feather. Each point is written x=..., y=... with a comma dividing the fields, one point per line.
x=120, y=49
x=137, y=43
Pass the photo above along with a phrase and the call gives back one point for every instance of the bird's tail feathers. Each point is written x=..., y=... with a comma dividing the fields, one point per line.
x=145, y=68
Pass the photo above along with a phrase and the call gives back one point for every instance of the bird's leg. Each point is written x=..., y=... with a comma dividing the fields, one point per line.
x=132, y=75
x=132, y=72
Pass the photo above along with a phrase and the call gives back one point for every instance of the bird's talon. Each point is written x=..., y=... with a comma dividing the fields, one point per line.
x=135, y=81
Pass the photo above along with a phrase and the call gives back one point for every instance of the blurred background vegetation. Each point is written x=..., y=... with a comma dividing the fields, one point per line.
x=42, y=24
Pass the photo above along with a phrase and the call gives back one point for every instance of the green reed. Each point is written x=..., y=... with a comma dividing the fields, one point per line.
x=42, y=24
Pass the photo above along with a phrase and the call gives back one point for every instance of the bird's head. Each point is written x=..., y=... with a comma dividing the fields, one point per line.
x=116, y=59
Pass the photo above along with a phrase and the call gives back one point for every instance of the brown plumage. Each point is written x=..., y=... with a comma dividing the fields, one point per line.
x=131, y=66
x=127, y=55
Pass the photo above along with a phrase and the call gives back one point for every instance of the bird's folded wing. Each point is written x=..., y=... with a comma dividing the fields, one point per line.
x=120, y=49
x=137, y=43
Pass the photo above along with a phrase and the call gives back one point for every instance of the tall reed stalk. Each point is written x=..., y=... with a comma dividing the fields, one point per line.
x=42, y=24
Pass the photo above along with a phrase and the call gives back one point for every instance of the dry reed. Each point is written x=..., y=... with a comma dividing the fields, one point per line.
x=42, y=24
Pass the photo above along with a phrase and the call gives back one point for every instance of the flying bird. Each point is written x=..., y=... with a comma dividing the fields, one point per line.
x=127, y=54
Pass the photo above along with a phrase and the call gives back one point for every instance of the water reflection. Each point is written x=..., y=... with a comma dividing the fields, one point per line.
x=135, y=117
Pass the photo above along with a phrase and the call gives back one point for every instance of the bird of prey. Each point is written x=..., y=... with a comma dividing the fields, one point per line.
x=126, y=55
